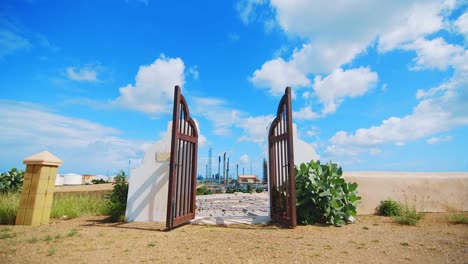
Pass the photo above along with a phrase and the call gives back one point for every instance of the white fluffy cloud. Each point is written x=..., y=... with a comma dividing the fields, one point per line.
x=84, y=146
x=419, y=19
x=244, y=159
x=277, y=74
x=441, y=109
x=82, y=74
x=436, y=140
x=305, y=113
x=224, y=119
x=153, y=90
x=340, y=84
x=335, y=33
x=254, y=128
x=461, y=25
x=435, y=54
x=246, y=9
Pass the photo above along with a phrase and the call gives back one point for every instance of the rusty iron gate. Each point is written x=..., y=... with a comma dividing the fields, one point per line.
x=183, y=164
x=281, y=155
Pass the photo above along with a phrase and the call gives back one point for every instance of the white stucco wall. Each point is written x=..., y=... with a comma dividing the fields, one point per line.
x=303, y=151
x=148, y=184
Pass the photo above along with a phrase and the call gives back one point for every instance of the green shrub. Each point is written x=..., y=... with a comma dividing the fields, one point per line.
x=11, y=181
x=98, y=181
x=389, y=208
x=9, y=203
x=203, y=190
x=229, y=190
x=323, y=196
x=408, y=215
x=259, y=190
x=249, y=189
x=117, y=200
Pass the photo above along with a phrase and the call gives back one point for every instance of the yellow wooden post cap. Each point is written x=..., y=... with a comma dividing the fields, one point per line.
x=43, y=158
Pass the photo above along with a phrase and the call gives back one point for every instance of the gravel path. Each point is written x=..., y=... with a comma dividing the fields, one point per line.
x=237, y=208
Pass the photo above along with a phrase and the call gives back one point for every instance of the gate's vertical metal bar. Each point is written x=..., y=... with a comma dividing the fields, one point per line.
x=172, y=162
x=291, y=177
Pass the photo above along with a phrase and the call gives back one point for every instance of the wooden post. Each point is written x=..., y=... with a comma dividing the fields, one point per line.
x=38, y=189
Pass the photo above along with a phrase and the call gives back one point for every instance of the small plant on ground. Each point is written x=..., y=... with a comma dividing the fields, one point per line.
x=47, y=238
x=203, y=190
x=74, y=232
x=7, y=235
x=457, y=218
x=51, y=252
x=389, y=208
x=32, y=240
x=8, y=207
x=408, y=215
x=151, y=244
x=456, y=214
x=323, y=196
x=259, y=190
x=117, y=202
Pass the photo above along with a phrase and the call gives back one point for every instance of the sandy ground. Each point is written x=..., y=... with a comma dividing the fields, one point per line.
x=373, y=239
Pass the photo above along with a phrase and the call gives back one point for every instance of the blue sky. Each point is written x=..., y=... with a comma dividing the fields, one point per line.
x=378, y=85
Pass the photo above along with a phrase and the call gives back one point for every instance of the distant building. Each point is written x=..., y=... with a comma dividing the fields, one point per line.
x=247, y=178
x=87, y=178
x=59, y=180
x=72, y=179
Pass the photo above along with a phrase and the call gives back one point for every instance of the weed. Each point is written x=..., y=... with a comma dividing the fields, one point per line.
x=51, y=251
x=389, y=208
x=57, y=236
x=408, y=215
x=5, y=229
x=456, y=214
x=405, y=244
x=8, y=207
x=365, y=228
x=47, y=238
x=7, y=235
x=375, y=241
x=151, y=244
x=459, y=218
x=32, y=240
x=74, y=232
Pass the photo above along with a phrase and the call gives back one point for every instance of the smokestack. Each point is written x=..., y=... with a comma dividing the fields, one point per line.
x=219, y=169
x=227, y=172
x=224, y=167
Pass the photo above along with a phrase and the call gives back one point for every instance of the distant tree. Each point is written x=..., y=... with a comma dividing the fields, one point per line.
x=11, y=181
x=265, y=170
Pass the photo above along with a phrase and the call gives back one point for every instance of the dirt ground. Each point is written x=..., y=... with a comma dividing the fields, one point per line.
x=373, y=239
